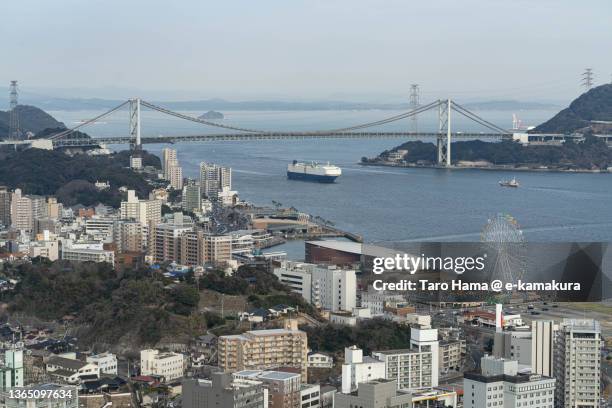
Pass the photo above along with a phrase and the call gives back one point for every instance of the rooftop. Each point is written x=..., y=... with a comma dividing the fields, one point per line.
x=277, y=375
x=66, y=363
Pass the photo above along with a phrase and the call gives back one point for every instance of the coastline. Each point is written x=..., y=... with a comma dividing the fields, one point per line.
x=488, y=168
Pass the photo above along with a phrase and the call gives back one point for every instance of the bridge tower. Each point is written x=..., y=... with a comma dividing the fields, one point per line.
x=444, y=133
x=135, y=124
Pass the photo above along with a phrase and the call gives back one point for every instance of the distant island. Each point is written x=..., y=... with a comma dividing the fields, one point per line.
x=211, y=114
x=586, y=115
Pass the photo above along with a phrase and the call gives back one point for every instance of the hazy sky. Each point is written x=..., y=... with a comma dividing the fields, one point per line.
x=340, y=49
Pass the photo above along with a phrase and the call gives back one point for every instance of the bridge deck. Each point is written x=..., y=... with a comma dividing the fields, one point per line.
x=271, y=136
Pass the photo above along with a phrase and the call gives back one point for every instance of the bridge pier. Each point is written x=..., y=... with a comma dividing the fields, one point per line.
x=135, y=124
x=444, y=133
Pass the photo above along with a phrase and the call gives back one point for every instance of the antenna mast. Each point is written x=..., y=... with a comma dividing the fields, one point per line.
x=14, y=131
x=415, y=102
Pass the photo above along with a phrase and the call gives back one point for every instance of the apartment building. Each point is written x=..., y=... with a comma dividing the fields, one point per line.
x=165, y=243
x=217, y=248
x=12, y=370
x=130, y=236
x=324, y=286
x=143, y=211
x=376, y=300
x=265, y=349
x=25, y=209
x=359, y=369
x=214, y=179
x=169, y=157
x=284, y=388
x=192, y=197
x=452, y=355
x=500, y=384
x=514, y=345
x=54, y=209
x=543, y=334
x=175, y=176
x=310, y=396
x=168, y=365
x=180, y=242
x=107, y=362
x=224, y=390
x=77, y=254
x=577, y=363
x=375, y=394
x=5, y=206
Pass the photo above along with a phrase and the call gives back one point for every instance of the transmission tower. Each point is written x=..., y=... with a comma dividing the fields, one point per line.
x=415, y=102
x=587, y=78
x=14, y=131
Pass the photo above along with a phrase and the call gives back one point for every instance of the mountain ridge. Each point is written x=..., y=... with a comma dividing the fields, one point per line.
x=593, y=105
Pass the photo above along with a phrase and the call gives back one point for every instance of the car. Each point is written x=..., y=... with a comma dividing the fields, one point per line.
x=555, y=305
x=545, y=309
x=535, y=313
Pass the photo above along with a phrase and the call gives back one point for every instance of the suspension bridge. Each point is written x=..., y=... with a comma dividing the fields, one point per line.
x=444, y=135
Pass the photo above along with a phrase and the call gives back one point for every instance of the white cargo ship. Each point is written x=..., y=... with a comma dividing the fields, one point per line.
x=322, y=173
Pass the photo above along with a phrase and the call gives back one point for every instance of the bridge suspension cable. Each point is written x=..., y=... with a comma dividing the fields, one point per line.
x=197, y=120
x=87, y=122
x=435, y=104
x=405, y=115
x=347, y=129
x=470, y=115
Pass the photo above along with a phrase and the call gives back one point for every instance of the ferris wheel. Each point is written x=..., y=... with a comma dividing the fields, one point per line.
x=503, y=237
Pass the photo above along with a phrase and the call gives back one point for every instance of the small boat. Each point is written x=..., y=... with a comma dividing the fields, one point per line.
x=509, y=183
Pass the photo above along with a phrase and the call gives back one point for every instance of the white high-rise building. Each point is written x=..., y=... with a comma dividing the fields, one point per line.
x=416, y=367
x=426, y=340
x=11, y=373
x=577, y=363
x=168, y=365
x=325, y=286
x=359, y=369
x=214, y=179
x=143, y=211
x=175, y=176
x=501, y=385
x=25, y=209
x=107, y=362
x=168, y=157
x=543, y=334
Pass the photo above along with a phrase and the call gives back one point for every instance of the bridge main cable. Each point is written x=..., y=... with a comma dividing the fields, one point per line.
x=471, y=115
x=198, y=120
x=314, y=132
x=404, y=115
x=87, y=122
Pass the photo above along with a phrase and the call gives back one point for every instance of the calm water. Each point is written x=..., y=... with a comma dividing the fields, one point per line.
x=388, y=203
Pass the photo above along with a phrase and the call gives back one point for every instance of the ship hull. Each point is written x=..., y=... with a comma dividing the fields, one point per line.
x=317, y=178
